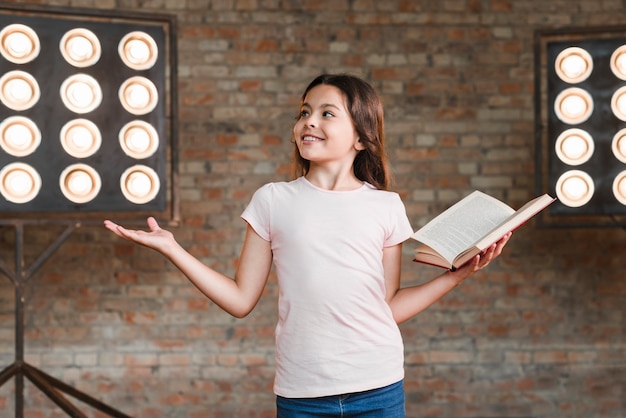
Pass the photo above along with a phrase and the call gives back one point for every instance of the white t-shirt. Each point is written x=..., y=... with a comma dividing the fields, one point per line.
x=335, y=332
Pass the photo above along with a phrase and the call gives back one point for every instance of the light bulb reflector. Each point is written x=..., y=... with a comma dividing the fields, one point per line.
x=573, y=65
x=80, y=47
x=19, y=44
x=19, y=136
x=80, y=138
x=81, y=93
x=138, y=50
x=80, y=183
x=573, y=106
x=575, y=188
x=139, y=184
x=19, y=90
x=139, y=139
x=19, y=182
x=138, y=95
x=574, y=146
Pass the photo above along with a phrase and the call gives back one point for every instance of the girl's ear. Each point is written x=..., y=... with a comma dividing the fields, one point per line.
x=358, y=145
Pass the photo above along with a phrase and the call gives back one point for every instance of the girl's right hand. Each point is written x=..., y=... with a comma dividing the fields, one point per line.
x=158, y=239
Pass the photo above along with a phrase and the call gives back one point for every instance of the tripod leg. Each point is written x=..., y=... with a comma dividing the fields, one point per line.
x=8, y=373
x=39, y=381
x=55, y=384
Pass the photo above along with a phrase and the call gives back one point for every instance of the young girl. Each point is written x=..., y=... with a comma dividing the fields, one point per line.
x=334, y=235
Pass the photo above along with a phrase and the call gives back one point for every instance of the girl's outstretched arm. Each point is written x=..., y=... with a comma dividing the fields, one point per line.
x=407, y=302
x=237, y=297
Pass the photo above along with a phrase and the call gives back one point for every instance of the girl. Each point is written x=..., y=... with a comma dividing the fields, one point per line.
x=334, y=235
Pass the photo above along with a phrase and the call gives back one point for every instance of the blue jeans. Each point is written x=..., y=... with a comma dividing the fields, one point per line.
x=386, y=402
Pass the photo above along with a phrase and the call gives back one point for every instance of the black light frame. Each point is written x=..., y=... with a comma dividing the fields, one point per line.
x=602, y=210
x=110, y=160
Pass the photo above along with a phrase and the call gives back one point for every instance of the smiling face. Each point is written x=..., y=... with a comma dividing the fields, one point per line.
x=324, y=132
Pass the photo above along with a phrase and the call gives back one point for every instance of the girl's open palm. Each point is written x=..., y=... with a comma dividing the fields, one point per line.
x=158, y=239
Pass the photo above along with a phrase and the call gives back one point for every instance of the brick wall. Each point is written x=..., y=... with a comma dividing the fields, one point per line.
x=541, y=333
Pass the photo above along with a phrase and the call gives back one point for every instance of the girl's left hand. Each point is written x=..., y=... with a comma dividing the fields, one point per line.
x=482, y=260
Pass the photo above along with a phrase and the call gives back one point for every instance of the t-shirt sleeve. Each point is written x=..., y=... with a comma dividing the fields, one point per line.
x=399, y=226
x=257, y=213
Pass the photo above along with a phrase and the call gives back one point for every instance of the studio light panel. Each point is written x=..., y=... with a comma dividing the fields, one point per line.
x=582, y=150
x=83, y=114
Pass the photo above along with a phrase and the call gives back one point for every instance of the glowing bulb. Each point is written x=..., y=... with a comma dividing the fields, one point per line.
x=574, y=188
x=139, y=184
x=19, y=44
x=81, y=137
x=19, y=136
x=138, y=50
x=19, y=90
x=138, y=96
x=80, y=48
x=573, y=105
x=573, y=65
x=81, y=93
x=79, y=183
x=19, y=183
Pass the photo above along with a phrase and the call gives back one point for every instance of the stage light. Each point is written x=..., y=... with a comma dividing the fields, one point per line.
x=573, y=65
x=80, y=47
x=97, y=89
x=81, y=93
x=580, y=105
x=574, y=188
x=140, y=184
x=19, y=182
x=139, y=139
x=573, y=106
x=19, y=90
x=138, y=50
x=138, y=95
x=80, y=183
x=80, y=138
x=19, y=44
x=19, y=136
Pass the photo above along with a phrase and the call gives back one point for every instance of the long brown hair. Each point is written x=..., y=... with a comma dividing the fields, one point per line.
x=366, y=111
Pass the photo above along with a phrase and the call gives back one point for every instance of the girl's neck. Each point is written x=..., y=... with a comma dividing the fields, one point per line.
x=329, y=180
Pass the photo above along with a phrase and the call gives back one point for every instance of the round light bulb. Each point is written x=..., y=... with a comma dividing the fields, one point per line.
x=574, y=188
x=18, y=44
x=80, y=48
x=574, y=65
x=19, y=182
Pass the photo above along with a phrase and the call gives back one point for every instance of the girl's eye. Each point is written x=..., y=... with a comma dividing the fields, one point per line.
x=327, y=114
x=304, y=113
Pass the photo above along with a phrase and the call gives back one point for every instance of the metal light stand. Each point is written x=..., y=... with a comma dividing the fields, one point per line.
x=50, y=386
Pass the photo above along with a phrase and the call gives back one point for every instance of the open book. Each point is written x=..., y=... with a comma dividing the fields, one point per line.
x=469, y=227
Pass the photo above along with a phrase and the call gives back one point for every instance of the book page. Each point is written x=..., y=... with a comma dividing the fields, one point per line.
x=464, y=223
